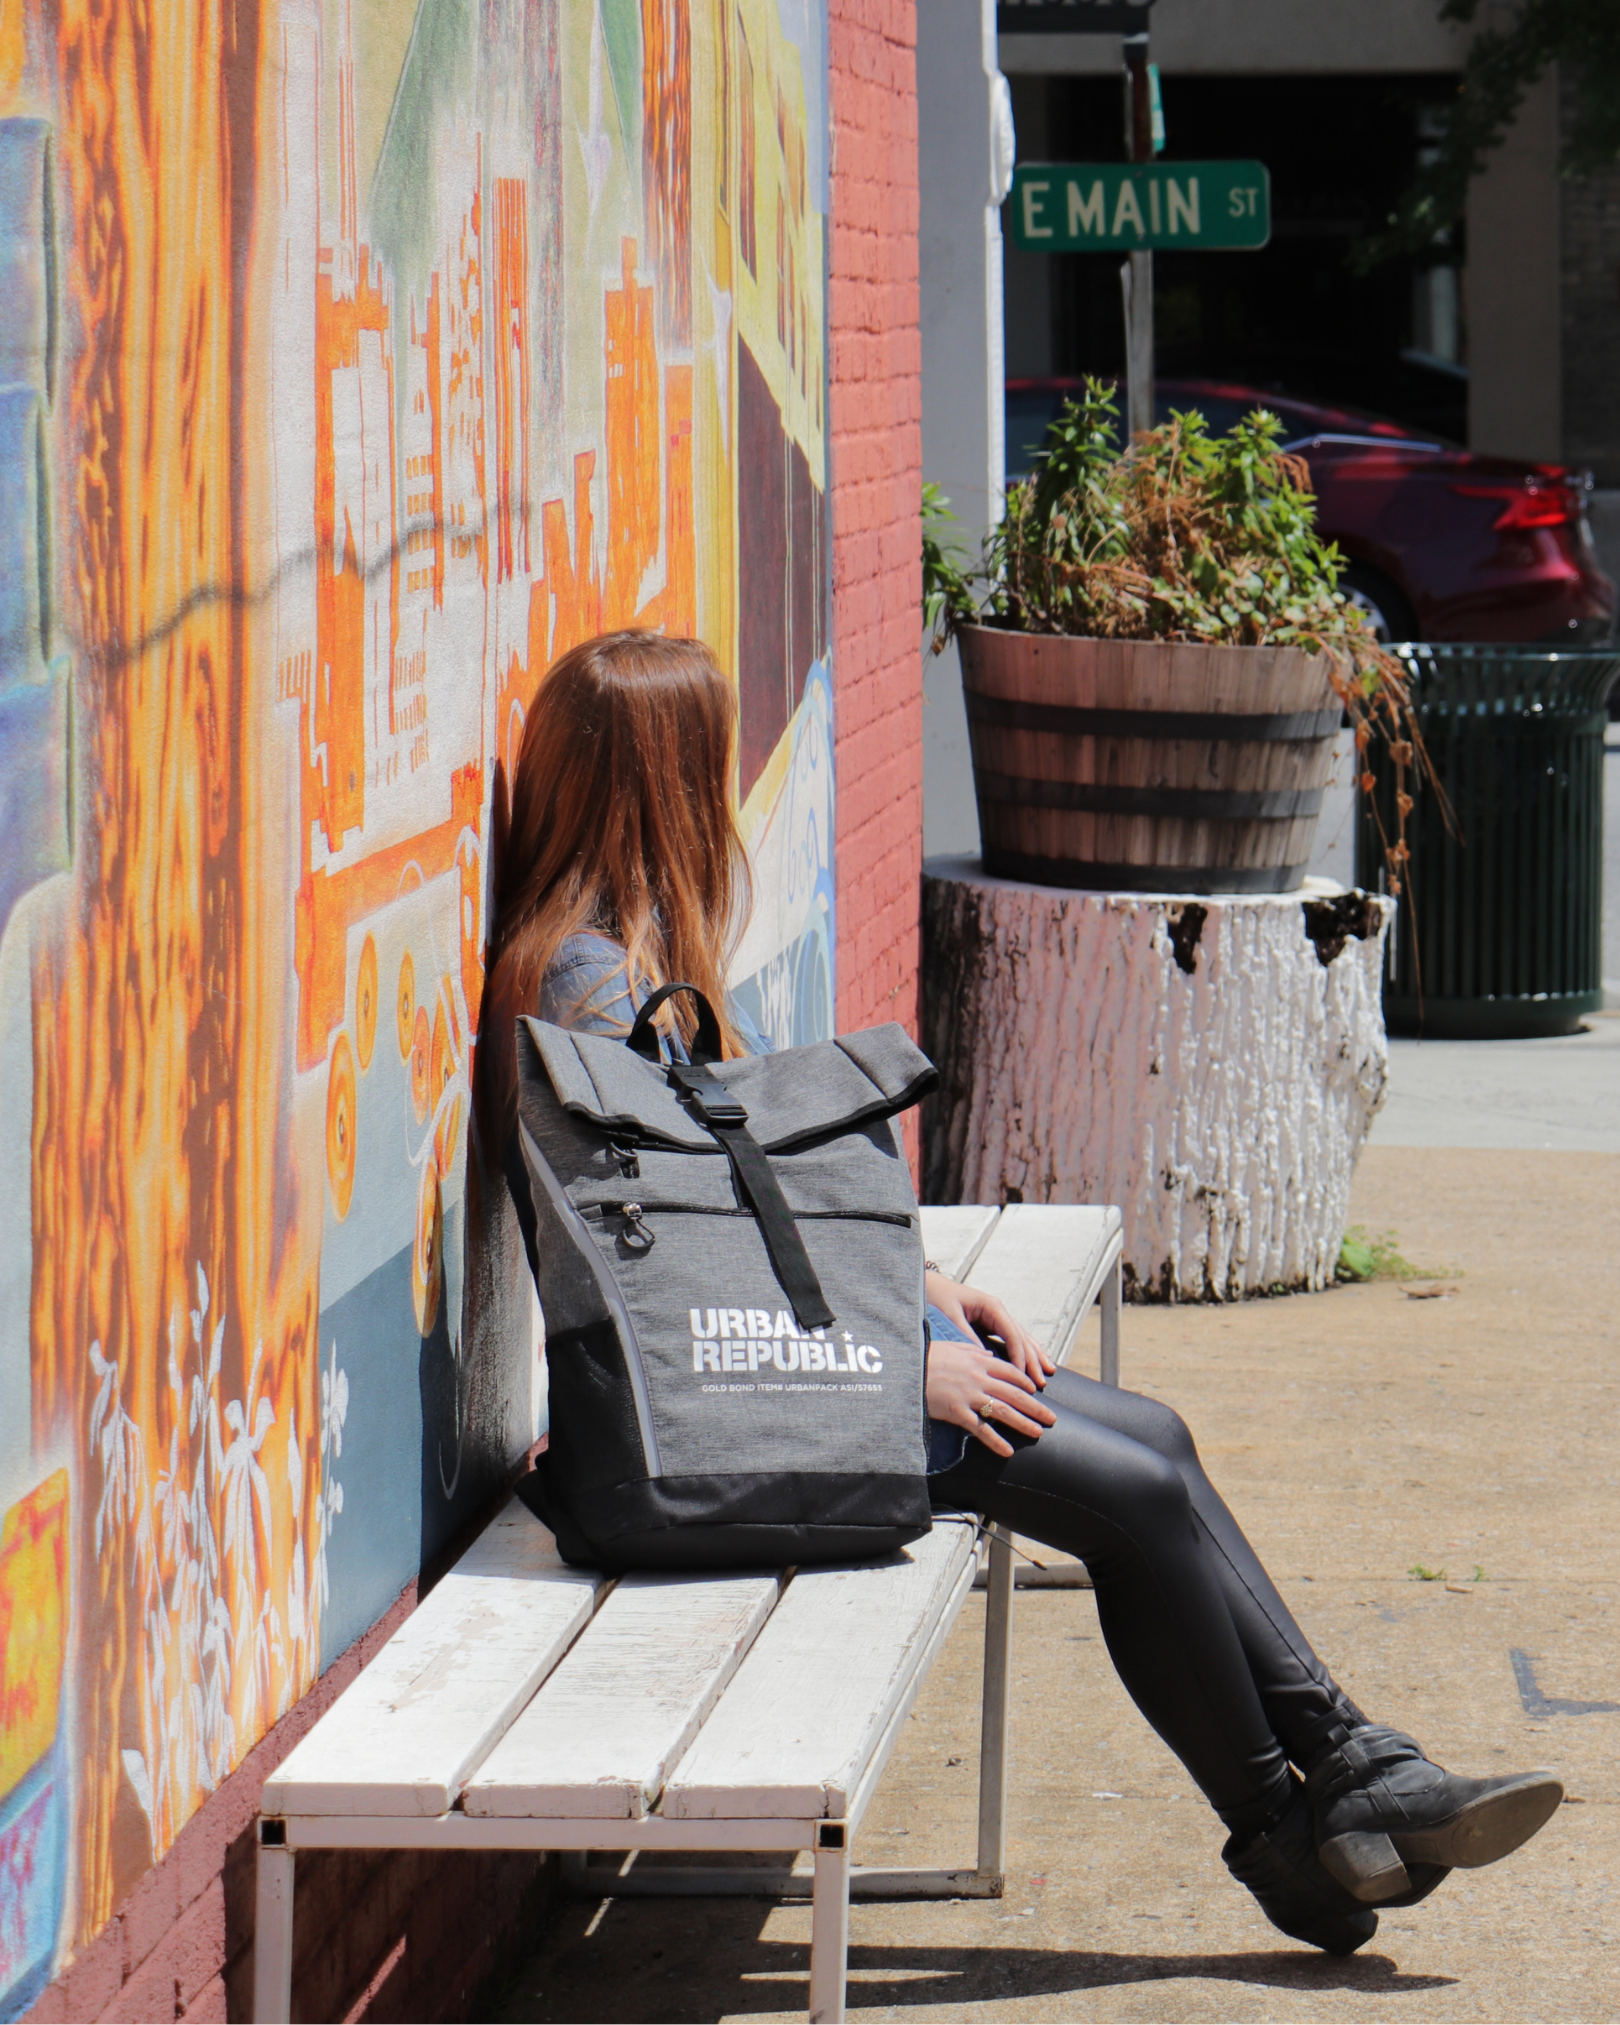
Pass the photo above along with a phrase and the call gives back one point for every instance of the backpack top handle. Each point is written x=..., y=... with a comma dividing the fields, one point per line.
x=643, y=1036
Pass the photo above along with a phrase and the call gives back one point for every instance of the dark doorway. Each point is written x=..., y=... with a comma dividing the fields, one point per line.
x=1293, y=318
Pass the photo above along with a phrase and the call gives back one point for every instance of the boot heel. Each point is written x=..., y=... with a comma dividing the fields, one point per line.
x=1366, y=1864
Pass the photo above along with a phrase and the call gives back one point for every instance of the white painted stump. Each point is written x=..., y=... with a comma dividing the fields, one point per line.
x=1211, y=1065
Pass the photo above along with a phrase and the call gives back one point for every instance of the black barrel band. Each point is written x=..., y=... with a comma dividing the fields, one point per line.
x=1193, y=804
x=1008, y=715
x=1099, y=878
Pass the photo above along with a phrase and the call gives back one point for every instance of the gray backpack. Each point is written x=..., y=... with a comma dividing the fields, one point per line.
x=729, y=1259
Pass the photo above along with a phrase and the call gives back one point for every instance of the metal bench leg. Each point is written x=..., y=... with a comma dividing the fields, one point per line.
x=1112, y=1294
x=829, y=1923
x=998, y=1602
x=273, y=1927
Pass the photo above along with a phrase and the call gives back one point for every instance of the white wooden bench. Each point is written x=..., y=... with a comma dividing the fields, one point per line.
x=529, y=1705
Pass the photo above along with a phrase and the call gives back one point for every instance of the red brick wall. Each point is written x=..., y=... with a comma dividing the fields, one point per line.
x=875, y=363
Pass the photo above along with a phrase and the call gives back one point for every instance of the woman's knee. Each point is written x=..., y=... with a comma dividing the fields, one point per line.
x=1143, y=1490
x=1162, y=1429
x=1148, y=1421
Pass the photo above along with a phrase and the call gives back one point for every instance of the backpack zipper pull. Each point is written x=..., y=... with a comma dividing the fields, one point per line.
x=631, y=1212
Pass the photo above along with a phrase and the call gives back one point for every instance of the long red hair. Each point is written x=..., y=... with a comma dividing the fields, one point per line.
x=621, y=825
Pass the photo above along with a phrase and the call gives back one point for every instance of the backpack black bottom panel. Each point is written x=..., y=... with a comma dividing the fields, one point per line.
x=695, y=1550
x=763, y=1519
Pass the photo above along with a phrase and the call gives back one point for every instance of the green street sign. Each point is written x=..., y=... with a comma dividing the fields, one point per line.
x=1126, y=207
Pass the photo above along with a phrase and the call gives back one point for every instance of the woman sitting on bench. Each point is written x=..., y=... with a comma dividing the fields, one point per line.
x=622, y=869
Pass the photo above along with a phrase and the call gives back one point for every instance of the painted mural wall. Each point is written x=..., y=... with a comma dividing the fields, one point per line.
x=357, y=357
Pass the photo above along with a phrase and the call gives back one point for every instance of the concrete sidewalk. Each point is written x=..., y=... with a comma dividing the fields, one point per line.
x=1560, y=1095
x=1357, y=1434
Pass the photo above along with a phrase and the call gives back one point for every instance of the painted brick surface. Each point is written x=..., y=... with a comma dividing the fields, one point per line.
x=379, y=1936
x=442, y=391
x=412, y=1936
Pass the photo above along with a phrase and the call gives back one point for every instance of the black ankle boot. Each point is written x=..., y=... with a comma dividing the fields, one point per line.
x=1280, y=1866
x=1386, y=1815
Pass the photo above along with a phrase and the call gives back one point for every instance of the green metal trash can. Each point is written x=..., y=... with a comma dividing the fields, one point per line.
x=1500, y=925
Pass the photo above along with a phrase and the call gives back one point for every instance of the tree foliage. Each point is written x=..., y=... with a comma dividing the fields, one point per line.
x=1506, y=57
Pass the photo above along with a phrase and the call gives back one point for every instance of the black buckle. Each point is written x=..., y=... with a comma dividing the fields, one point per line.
x=707, y=1093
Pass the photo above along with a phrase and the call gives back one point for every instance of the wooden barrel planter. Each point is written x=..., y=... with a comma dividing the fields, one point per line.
x=1143, y=766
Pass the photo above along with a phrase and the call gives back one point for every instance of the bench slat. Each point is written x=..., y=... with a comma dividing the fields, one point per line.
x=811, y=1702
x=1045, y=1261
x=953, y=1233
x=404, y=1736
x=598, y=1739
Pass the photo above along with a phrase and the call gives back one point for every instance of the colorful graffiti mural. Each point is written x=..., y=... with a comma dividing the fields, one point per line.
x=357, y=357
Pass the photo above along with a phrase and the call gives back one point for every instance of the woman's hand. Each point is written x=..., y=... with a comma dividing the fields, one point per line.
x=983, y=1315
x=971, y=1389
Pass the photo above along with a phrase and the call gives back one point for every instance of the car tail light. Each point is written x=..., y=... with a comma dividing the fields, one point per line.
x=1552, y=505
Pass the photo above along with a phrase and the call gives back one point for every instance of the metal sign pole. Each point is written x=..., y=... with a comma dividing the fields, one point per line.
x=1136, y=276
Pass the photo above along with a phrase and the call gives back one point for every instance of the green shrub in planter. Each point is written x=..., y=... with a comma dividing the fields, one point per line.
x=1181, y=538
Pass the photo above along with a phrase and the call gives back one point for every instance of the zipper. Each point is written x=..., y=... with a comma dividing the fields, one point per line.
x=570, y=1217
x=633, y=1212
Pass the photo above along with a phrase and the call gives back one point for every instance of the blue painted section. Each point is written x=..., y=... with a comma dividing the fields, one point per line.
x=34, y=760
x=404, y=1439
x=27, y=255
x=33, y=1882
x=792, y=997
x=23, y=548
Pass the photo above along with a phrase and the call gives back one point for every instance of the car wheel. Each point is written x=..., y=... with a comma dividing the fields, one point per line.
x=1369, y=592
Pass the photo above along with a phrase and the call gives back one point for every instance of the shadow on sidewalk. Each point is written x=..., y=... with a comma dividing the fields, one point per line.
x=665, y=1967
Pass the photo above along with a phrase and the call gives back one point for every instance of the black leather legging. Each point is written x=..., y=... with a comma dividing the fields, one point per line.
x=1206, y=1647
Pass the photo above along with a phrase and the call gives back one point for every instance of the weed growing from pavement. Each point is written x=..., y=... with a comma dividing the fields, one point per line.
x=1376, y=1258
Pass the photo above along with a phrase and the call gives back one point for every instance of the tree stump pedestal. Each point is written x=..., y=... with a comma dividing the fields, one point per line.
x=1211, y=1064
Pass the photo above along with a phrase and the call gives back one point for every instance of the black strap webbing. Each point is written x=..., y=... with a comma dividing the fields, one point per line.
x=758, y=1186
x=751, y=1170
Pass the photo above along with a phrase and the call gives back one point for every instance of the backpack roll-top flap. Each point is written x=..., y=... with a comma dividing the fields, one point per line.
x=791, y=1098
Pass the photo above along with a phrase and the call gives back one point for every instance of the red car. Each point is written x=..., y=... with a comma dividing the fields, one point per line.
x=1442, y=544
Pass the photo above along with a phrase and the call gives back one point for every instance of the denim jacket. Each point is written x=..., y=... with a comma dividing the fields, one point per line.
x=572, y=995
